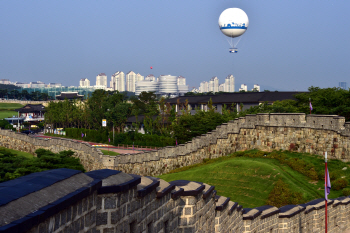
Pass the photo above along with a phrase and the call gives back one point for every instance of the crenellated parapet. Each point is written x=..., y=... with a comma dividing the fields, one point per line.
x=65, y=200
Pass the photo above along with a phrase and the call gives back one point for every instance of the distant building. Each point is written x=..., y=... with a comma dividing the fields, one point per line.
x=101, y=80
x=243, y=87
x=204, y=87
x=130, y=81
x=256, y=87
x=84, y=82
x=5, y=81
x=181, y=85
x=222, y=87
x=23, y=85
x=54, y=85
x=69, y=96
x=229, y=84
x=32, y=113
x=150, y=77
x=37, y=84
x=342, y=85
x=118, y=81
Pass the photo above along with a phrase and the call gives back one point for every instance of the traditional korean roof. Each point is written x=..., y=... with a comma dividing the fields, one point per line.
x=30, y=108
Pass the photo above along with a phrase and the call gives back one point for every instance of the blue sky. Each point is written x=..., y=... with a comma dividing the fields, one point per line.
x=289, y=45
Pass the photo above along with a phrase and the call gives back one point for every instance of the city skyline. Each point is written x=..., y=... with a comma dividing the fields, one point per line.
x=61, y=42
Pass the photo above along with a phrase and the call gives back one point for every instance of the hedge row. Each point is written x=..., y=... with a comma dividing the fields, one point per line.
x=128, y=138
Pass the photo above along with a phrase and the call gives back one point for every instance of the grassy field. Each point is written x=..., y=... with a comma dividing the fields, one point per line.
x=9, y=106
x=112, y=153
x=7, y=113
x=249, y=181
x=25, y=154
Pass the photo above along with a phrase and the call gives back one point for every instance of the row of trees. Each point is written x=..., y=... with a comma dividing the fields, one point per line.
x=23, y=95
x=159, y=118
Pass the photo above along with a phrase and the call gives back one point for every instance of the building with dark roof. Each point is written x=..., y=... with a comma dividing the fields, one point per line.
x=248, y=99
x=69, y=96
x=32, y=112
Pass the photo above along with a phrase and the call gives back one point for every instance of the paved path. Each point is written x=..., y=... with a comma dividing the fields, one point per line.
x=120, y=150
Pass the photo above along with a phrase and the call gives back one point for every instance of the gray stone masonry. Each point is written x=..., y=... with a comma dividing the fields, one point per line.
x=112, y=201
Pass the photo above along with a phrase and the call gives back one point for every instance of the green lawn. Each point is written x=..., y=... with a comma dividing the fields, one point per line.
x=249, y=181
x=112, y=153
x=7, y=113
x=25, y=154
x=9, y=106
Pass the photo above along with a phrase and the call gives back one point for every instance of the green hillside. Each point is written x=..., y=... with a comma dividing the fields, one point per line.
x=10, y=106
x=249, y=177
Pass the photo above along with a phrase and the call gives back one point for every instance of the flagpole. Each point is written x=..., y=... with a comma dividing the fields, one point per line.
x=326, y=187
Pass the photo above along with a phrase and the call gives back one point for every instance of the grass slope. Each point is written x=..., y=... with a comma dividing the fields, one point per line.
x=19, y=153
x=112, y=153
x=7, y=113
x=9, y=106
x=249, y=181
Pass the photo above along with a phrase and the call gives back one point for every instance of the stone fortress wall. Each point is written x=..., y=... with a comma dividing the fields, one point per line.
x=313, y=134
x=65, y=200
x=110, y=201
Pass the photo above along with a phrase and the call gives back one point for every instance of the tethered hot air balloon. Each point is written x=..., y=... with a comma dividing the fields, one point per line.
x=233, y=22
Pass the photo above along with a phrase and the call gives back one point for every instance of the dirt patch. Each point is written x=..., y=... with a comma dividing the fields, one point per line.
x=314, y=182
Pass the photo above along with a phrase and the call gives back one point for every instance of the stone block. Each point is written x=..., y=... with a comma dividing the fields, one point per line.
x=101, y=219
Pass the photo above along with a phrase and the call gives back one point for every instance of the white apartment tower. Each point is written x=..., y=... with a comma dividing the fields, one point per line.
x=84, y=82
x=130, y=81
x=118, y=81
x=256, y=87
x=243, y=87
x=229, y=84
x=214, y=84
x=204, y=87
x=101, y=80
x=181, y=85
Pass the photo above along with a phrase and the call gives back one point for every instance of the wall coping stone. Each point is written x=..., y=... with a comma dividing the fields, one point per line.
x=15, y=189
x=32, y=219
x=176, y=192
x=149, y=186
x=221, y=202
x=164, y=187
x=250, y=214
x=191, y=188
x=289, y=211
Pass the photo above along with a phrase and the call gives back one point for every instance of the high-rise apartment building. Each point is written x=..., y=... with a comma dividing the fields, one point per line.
x=256, y=88
x=84, y=82
x=229, y=83
x=181, y=85
x=130, y=81
x=342, y=85
x=222, y=87
x=243, y=87
x=101, y=80
x=204, y=87
x=118, y=81
x=214, y=84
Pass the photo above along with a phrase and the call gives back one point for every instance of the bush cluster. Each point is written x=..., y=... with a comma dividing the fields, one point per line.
x=281, y=195
x=339, y=184
x=13, y=166
x=127, y=138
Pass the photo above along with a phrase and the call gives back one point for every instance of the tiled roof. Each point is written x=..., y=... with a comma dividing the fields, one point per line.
x=237, y=97
x=31, y=108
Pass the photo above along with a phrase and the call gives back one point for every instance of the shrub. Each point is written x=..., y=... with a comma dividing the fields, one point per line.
x=281, y=195
x=346, y=192
x=339, y=184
